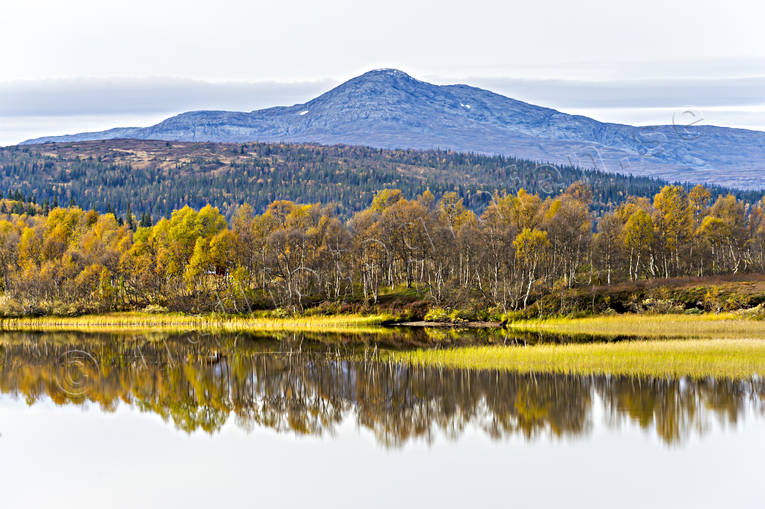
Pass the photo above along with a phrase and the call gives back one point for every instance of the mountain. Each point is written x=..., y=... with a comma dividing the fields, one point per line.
x=388, y=108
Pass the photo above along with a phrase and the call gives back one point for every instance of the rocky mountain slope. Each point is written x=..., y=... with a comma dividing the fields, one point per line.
x=389, y=109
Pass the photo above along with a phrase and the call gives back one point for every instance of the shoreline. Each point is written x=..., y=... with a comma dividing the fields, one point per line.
x=725, y=345
x=132, y=321
x=450, y=325
x=666, y=326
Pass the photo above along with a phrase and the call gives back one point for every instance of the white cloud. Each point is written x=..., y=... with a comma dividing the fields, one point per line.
x=127, y=95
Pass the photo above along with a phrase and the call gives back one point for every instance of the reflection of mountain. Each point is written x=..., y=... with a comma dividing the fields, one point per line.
x=199, y=383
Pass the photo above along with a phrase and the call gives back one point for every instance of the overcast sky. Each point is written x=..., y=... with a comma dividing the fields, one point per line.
x=75, y=64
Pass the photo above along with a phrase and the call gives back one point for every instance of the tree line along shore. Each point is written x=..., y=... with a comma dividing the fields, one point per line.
x=522, y=256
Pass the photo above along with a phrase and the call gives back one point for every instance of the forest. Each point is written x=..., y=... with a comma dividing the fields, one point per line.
x=295, y=256
x=157, y=177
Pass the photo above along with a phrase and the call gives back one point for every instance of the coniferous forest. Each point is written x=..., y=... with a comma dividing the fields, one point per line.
x=157, y=177
x=68, y=260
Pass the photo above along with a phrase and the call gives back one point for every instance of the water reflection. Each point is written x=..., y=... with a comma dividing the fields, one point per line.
x=293, y=383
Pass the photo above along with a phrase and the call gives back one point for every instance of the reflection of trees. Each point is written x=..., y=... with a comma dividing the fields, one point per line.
x=290, y=385
x=678, y=407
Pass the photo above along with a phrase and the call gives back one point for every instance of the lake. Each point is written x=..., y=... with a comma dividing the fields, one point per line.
x=311, y=420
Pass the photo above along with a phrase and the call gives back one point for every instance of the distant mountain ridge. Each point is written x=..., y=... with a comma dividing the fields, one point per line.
x=387, y=108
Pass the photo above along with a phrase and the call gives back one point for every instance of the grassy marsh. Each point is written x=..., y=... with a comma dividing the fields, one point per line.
x=178, y=322
x=729, y=358
x=718, y=326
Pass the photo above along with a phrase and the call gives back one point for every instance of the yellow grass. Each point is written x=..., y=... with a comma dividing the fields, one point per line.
x=729, y=358
x=723, y=325
x=177, y=322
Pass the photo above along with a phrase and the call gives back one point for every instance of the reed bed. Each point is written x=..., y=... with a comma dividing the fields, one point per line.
x=724, y=358
x=177, y=322
x=719, y=326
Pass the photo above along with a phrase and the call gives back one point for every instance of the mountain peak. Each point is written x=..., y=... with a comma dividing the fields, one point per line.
x=387, y=108
x=386, y=72
x=383, y=76
x=376, y=94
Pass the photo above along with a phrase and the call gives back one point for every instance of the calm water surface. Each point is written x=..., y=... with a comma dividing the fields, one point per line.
x=294, y=421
